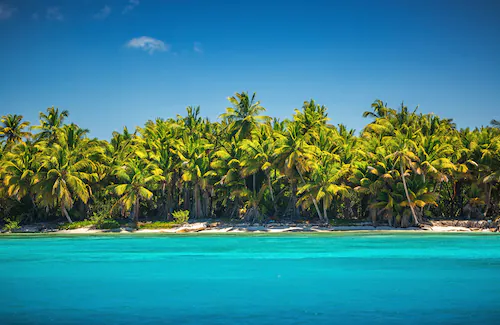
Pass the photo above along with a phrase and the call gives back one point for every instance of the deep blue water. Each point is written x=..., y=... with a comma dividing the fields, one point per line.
x=269, y=279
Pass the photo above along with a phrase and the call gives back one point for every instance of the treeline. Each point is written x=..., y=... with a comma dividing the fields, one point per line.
x=403, y=167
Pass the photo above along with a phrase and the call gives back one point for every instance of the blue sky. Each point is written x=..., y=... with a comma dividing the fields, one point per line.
x=113, y=63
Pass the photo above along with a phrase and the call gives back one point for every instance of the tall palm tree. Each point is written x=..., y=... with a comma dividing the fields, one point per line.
x=19, y=168
x=12, y=128
x=50, y=122
x=324, y=185
x=195, y=168
x=244, y=116
x=293, y=156
x=136, y=178
x=404, y=156
x=62, y=178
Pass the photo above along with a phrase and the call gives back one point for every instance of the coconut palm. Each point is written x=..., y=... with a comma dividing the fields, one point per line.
x=50, y=122
x=12, y=128
x=64, y=176
x=244, y=116
x=136, y=179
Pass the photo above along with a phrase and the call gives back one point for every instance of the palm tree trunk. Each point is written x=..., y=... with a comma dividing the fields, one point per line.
x=136, y=210
x=65, y=213
x=197, y=201
x=312, y=197
x=488, y=199
x=186, y=198
x=35, y=212
x=408, y=195
x=253, y=183
x=272, y=192
x=325, y=215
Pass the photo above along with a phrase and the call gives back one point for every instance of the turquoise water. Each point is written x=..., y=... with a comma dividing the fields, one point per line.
x=269, y=279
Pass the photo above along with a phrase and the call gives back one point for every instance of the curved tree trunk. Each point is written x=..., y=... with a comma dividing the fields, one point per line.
x=65, y=213
x=408, y=195
x=136, y=210
x=312, y=197
x=272, y=192
x=325, y=215
x=489, y=187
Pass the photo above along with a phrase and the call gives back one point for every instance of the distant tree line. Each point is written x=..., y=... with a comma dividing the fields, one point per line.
x=401, y=169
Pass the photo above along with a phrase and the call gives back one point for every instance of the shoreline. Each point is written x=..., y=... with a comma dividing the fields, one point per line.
x=208, y=228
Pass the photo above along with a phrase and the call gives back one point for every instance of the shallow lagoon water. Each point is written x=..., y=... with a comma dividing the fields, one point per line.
x=340, y=278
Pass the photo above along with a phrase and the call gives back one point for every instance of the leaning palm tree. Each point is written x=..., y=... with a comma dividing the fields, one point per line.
x=404, y=156
x=12, y=128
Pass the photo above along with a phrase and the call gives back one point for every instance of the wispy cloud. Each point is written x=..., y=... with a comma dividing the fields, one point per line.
x=6, y=11
x=53, y=13
x=103, y=13
x=131, y=5
x=148, y=44
x=197, y=47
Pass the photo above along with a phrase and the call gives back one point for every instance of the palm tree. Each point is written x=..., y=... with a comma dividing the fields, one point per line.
x=324, y=185
x=136, y=177
x=405, y=157
x=62, y=178
x=19, y=168
x=380, y=110
x=244, y=116
x=293, y=154
x=12, y=128
x=193, y=154
x=259, y=156
x=50, y=123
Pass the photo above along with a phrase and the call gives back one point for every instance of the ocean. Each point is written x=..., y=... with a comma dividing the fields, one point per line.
x=334, y=278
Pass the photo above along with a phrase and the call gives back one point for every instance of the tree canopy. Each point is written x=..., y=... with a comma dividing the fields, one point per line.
x=402, y=168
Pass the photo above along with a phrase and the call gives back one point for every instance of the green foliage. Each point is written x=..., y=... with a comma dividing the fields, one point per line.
x=400, y=169
x=11, y=225
x=158, y=225
x=75, y=225
x=108, y=224
x=181, y=216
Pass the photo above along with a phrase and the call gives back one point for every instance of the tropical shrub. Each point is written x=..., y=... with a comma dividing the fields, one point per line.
x=11, y=225
x=181, y=216
x=158, y=225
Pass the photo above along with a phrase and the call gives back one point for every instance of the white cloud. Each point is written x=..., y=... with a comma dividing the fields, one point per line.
x=131, y=5
x=197, y=47
x=103, y=13
x=6, y=11
x=53, y=13
x=148, y=44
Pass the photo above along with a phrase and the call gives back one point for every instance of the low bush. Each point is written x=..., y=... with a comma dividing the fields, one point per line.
x=75, y=225
x=11, y=225
x=157, y=225
x=108, y=224
x=181, y=216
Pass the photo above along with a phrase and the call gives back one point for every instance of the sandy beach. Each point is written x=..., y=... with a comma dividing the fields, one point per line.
x=208, y=228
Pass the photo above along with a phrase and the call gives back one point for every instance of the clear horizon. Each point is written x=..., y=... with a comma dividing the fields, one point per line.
x=116, y=63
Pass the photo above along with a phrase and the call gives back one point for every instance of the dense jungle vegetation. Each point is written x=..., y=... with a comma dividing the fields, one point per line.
x=401, y=169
